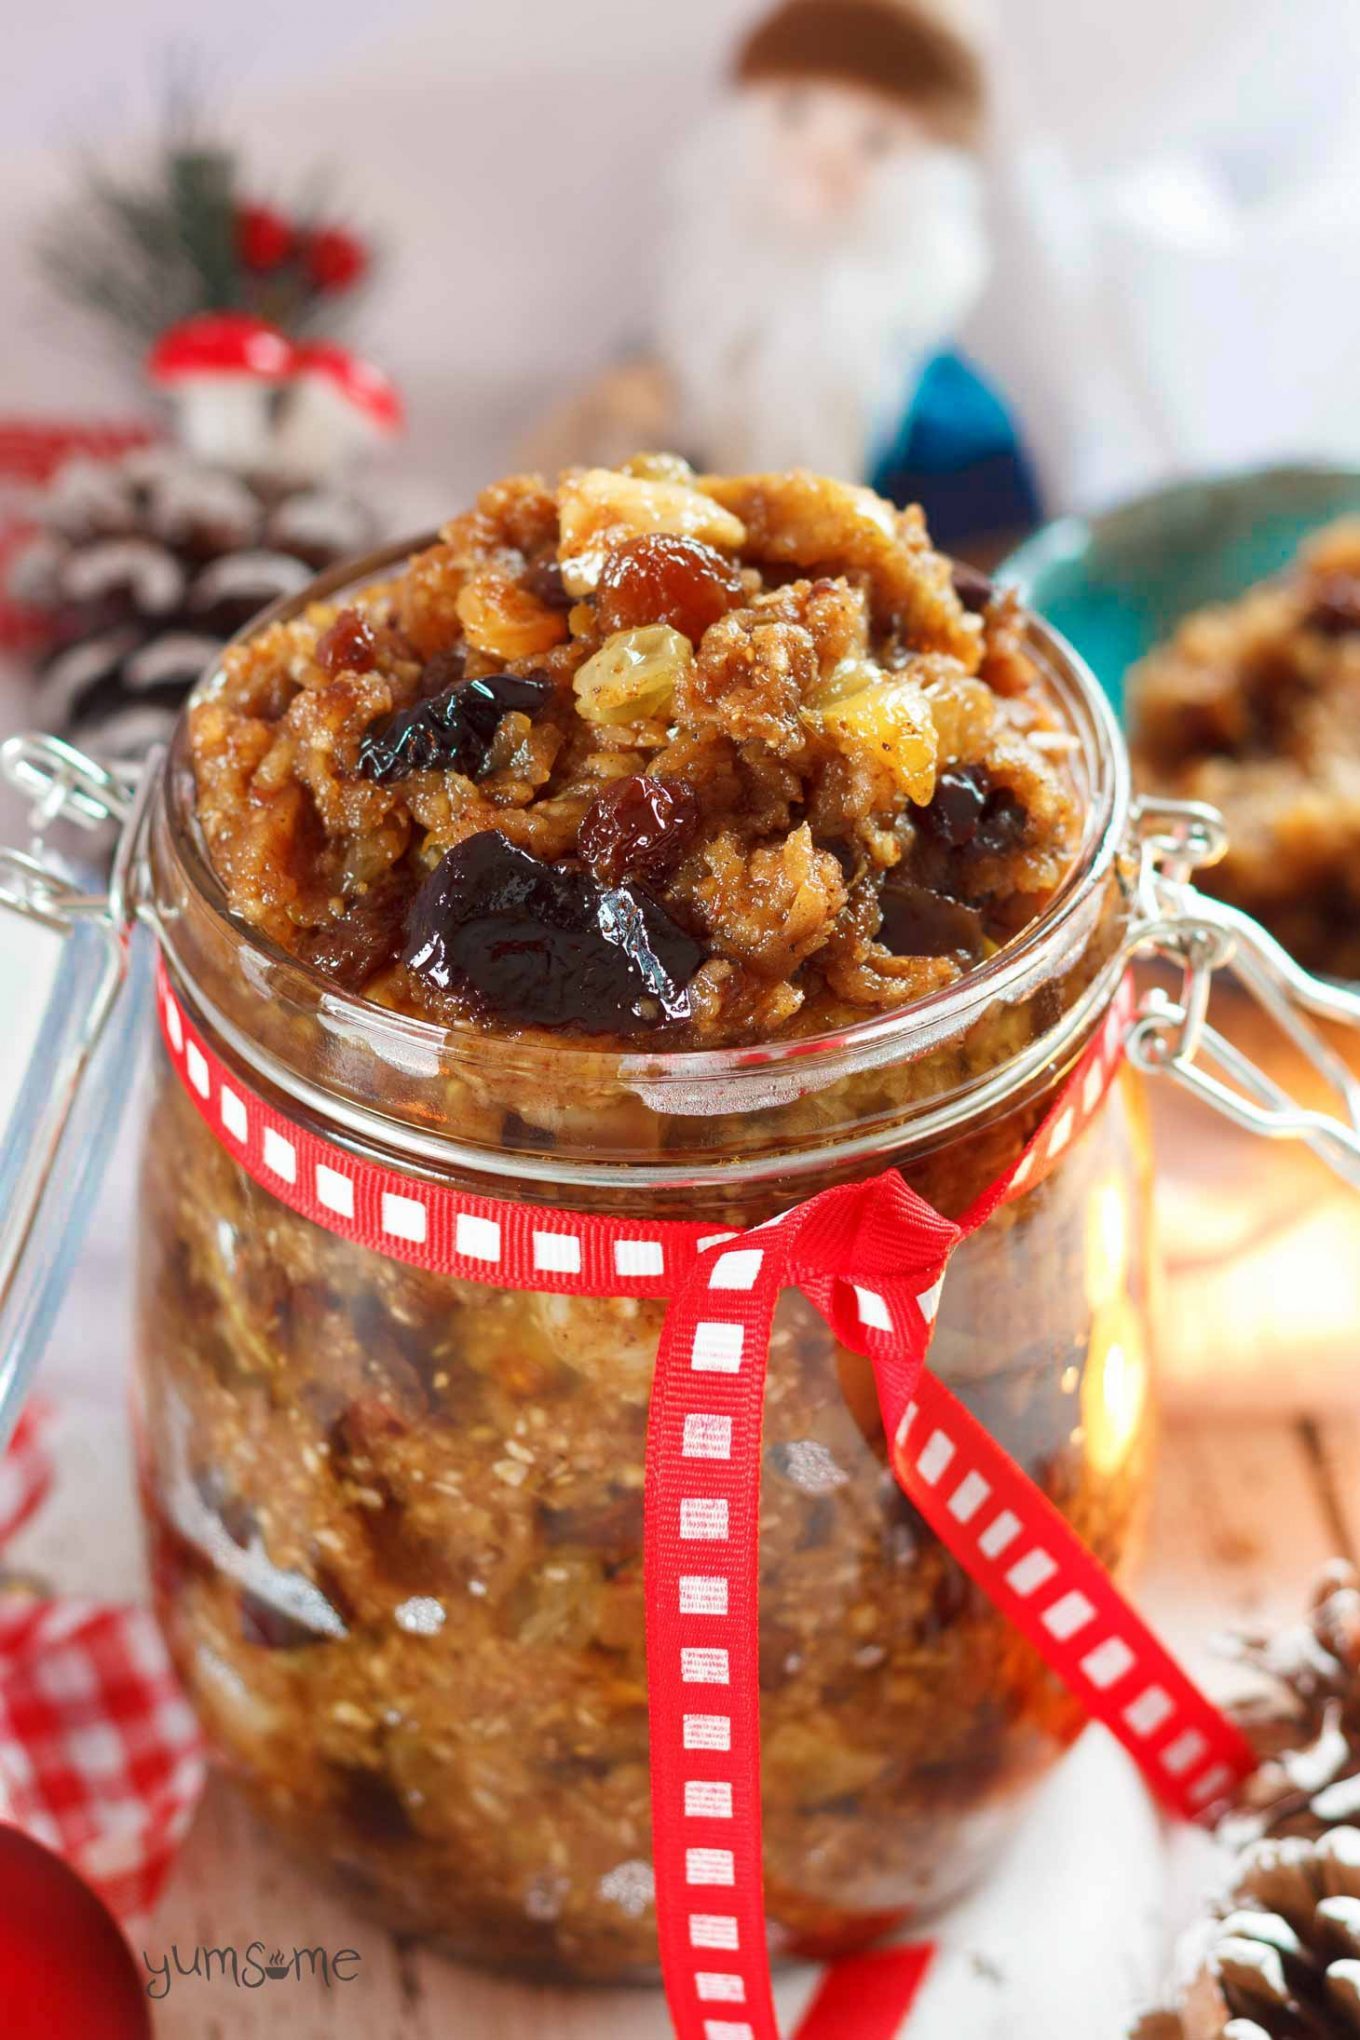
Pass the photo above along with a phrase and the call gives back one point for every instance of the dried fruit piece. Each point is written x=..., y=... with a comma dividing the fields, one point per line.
x=349, y=646
x=633, y=676
x=638, y=828
x=453, y=728
x=953, y=815
x=503, y=618
x=659, y=578
x=917, y=921
x=545, y=944
x=600, y=501
x=544, y=582
x=886, y=718
x=969, y=813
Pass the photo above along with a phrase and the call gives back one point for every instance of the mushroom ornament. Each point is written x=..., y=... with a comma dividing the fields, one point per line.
x=143, y=566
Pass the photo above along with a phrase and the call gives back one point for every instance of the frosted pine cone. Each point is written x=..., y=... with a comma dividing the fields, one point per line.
x=145, y=566
x=1283, y=1960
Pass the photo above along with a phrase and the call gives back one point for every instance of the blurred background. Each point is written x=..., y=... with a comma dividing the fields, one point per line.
x=1172, y=191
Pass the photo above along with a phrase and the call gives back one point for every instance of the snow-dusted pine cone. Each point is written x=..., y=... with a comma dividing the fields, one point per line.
x=1306, y=1725
x=144, y=566
x=1282, y=1961
x=1279, y=1958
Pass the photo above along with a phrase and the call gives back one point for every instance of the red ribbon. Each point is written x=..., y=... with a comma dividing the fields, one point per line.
x=872, y=1258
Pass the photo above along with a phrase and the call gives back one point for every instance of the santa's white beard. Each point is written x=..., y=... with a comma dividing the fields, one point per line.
x=793, y=345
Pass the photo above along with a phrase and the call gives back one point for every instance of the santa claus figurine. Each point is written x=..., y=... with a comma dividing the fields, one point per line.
x=826, y=240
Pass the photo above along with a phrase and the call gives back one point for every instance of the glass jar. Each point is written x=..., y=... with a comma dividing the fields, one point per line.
x=397, y=1516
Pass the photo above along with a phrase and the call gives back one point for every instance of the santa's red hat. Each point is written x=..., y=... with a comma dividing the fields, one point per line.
x=905, y=50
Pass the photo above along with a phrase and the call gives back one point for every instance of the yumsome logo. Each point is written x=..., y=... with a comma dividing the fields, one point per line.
x=251, y=1967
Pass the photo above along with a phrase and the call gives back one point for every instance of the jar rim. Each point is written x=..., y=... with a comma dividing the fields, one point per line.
x=747, y=1077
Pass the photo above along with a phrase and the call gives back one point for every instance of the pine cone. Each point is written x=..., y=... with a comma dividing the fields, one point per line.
x=143, y=567
x=1280, y=1957
x=1283, y=1960
x=1306, y=1727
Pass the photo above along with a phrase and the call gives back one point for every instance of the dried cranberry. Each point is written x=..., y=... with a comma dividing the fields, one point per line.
x=638, y=828
x=661, y=579
x=271, y=1629
x=454, y=728
x=954, y=813
x=918, y=921
x=543, y=580
x=972, y=586
x=1335, y=608
x=545, y=944
x=349, y=646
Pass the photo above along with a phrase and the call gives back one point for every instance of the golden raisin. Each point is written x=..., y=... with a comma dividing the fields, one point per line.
x=661, y=578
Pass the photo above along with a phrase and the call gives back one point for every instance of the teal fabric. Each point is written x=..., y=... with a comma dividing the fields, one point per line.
x=1117, y=584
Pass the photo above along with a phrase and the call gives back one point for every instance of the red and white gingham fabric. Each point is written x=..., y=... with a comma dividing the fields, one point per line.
x=873, y=1259
x=101, y=1758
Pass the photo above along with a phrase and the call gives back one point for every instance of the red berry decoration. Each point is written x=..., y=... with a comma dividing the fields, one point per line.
x=264, y=238
x=66, y=1973
x=334, y=260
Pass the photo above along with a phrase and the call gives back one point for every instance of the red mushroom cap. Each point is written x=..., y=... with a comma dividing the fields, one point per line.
x=357, y=380
x=222, y=343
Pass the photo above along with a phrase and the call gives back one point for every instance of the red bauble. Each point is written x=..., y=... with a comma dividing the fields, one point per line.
x=334, y=260
x=66, y=1973
x=264, y=238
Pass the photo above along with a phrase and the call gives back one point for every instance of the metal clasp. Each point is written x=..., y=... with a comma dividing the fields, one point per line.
x=60, y=1125
x=1172, y=1035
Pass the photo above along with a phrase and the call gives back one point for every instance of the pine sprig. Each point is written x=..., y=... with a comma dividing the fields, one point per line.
x=138, y=253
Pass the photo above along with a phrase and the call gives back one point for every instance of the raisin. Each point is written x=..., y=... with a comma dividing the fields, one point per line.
x=349, y=646
x=1003, y=825
x=920, y=922
x=547, y=945
x=638, y=828
x=956, y=809
x=973, y=588
x=365, y=938
x=969, y=813
x=453, y=728
x=271, y=1629
x=661, y=579
x=543, y=580
x=1335, y=607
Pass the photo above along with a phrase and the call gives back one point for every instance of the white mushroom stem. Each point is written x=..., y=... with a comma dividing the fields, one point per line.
x=224, y=418
x=319, y=430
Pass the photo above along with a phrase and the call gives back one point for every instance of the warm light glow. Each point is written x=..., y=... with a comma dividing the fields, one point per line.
x=1107, y=1245
x=1114, y=1395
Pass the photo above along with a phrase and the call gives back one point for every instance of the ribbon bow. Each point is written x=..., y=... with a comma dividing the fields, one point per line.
x=872, y=1258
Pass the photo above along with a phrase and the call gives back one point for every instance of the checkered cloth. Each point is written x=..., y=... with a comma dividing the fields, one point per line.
x=100, y=1757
